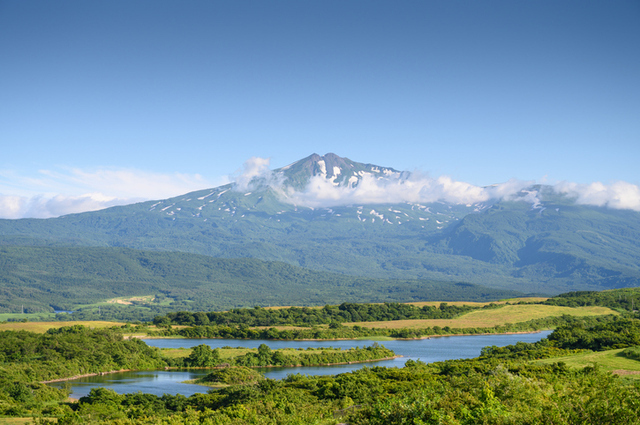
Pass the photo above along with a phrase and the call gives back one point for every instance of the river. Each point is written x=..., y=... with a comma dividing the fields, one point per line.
x=159, y=382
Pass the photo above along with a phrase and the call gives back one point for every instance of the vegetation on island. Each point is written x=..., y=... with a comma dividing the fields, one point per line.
x=204, y=356
x=232, y=376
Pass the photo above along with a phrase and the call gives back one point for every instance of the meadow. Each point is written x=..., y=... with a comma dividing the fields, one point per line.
x=610, y=361
x=491, y=317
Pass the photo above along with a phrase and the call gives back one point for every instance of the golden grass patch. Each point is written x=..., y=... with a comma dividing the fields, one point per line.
x=18, y=421
x=491, y=317
x=42, y=327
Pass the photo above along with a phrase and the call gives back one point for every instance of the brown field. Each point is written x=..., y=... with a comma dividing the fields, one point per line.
x=42, y=327
x=130, y=300
x=491, y=318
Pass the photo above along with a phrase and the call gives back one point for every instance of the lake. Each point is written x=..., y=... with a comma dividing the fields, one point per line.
x=159, y=382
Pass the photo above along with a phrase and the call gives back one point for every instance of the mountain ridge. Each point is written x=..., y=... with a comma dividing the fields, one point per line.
x=532, y=239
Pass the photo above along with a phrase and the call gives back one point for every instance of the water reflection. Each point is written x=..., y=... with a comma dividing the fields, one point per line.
x=170, y=382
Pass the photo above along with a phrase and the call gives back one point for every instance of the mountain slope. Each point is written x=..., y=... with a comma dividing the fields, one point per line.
x=312, y=214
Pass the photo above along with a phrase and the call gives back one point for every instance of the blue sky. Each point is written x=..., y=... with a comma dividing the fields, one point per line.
x=107, y=102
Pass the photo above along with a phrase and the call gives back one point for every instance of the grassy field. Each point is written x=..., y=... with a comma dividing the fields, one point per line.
x=492, y=317
x=609, y=360
x=475, y=319
x=41, y=327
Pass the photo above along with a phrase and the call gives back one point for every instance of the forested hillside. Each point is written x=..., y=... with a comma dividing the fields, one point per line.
x=40, y=279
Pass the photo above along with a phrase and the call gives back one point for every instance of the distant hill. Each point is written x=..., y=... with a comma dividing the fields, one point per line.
x=548, y=246
x=42, y=279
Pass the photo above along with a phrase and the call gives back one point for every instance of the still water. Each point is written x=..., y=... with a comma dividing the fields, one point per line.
x=159, y=382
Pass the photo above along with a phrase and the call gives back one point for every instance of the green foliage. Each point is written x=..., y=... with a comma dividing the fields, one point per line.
x=203, y=356
x=233, y=376
x=499, y=387
x=27, y=358
x=266, y=357
x=627, y=299
x=631, y=353
x=304, y=316
x=618, y=333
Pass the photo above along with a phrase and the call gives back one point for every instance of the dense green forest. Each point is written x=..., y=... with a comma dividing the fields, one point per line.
x=627, y=299
x=345, y=312
x=41, y=279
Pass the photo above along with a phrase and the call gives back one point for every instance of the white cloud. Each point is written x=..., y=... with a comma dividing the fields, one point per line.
x=51, y=193
x=618, y=195
x=415, y=188
x=255, y=170
x=45, y=207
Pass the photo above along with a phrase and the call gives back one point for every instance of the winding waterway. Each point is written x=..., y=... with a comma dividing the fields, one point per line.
x=160, y=382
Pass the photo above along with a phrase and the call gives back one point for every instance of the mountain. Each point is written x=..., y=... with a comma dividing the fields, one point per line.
x=331, y=214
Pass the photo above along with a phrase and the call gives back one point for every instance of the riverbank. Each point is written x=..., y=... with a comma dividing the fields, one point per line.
x=219, y=385
x=87, y=375
x=362, y=338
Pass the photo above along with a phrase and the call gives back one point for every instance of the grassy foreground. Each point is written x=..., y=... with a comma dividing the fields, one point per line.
x=610, y=361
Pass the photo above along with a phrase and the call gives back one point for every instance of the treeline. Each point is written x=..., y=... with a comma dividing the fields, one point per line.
x=627, y=299
x=338, y=331
x=204, y=356
x=598, y=334
x=305, y=316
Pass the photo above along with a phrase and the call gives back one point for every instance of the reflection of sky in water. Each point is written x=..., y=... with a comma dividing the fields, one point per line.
x=161, y=382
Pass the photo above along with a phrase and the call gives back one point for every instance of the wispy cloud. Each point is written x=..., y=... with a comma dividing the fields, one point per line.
x=51, y=193
x=256, y=171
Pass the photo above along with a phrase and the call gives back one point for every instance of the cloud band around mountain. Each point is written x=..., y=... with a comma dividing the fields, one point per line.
x=419, y=188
